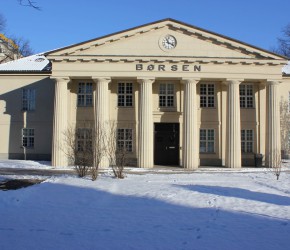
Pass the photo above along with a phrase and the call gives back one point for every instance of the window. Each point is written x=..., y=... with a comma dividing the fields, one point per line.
x=28, y=137
x=207, y=95
x=247, y=140
x=125, y=94
x=84, y=139
x=28, y=99
x=206, y=138
x=246, y=96
x=166, y=95
x=85, y=94
x=125, y=139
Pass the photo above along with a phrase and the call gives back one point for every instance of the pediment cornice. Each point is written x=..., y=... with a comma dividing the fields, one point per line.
x=186, y=29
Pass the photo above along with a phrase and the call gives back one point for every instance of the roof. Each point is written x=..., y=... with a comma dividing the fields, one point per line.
x=34, y=63
x=286, y=69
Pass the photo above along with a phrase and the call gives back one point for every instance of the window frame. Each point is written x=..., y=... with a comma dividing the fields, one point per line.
x=207, y=140
x=84, y=136
x=28, y=99
x=124, y=140
x=246, y=96
x=246, y=141
x=84, y=94
x=207, y=98
x=127, y=100
x=166, y=95
x=28, y=138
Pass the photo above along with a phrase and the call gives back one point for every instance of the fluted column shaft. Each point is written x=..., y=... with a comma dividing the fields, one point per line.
x=233, y=152
x=190, y=127
x=59, y=123
x=101, y=109
x=145, y=149
x=274, y=146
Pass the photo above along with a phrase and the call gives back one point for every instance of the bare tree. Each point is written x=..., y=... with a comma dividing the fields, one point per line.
x=29, y=3
x=276, y=164
x=2, y=23
x=118, y=148
x=284, y=42
x=78, y=148
x=99, y=147
x=284, y=127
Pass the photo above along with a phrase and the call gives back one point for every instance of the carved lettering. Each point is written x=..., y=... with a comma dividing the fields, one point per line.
x=185, y=67
x=161, y=67
x=174, y=67
x=150, y=67
x=197, y=68
x=139, y=66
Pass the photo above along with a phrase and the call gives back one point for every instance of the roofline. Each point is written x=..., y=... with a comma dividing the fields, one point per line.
x=19, y=72
x=173, y=20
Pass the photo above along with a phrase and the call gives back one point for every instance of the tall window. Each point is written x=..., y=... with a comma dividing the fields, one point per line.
x=125, y=139
x=206, y=140
x=246, y=96
x=84, y=139
x=247, y=140
x=85, y=94
x=166, y=95
x=207, y=95
x=28, y=137
x=28, y=99
x=125, y=94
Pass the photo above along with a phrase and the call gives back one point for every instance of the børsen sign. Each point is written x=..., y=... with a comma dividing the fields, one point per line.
x=163, y=67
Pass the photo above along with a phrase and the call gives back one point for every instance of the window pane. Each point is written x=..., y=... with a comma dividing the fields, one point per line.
x=210, y=147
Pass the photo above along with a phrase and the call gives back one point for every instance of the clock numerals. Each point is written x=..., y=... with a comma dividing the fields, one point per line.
x=169, y=42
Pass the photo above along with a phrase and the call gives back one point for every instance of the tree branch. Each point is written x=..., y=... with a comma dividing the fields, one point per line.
x=29, y=3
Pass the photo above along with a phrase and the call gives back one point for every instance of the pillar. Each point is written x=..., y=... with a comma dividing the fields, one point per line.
x=60, y=123
x=233, y=152
x=190, y=147
x=145, y=147
x=101, y=110
x=273, y=146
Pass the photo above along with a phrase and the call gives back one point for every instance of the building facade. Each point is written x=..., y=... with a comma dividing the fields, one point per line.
x=180, y=95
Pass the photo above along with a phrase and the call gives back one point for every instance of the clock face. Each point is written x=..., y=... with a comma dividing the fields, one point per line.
x=169, y=42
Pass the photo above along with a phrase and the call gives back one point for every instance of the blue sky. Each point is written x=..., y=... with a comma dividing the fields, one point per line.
x=62, y=22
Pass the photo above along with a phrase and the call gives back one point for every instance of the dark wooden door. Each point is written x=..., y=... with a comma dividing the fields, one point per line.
x=166, y=144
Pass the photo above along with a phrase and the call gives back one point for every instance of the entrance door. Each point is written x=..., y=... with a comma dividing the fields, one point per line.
x=166, y=143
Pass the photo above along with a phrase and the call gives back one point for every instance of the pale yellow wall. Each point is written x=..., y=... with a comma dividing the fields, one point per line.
x=12, y=119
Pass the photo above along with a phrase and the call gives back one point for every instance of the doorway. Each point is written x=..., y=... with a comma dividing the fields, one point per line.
x=166, y=144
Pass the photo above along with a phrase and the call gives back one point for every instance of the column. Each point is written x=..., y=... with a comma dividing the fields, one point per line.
x=233, y=151
x=101, y=109
x=273, y=146
x=145, y=148
x=59, y=157
x=190, y=147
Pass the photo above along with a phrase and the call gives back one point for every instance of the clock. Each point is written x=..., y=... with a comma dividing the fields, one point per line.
x=168, y=42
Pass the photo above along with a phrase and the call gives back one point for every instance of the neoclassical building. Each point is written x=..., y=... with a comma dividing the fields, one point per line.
x=180, y=95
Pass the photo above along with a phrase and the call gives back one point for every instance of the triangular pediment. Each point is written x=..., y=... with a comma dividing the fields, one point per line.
x=148, y=41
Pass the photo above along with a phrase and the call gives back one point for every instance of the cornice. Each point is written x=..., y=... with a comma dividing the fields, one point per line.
x=160, y=60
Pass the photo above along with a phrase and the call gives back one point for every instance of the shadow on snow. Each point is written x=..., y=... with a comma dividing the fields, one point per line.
x=58, y=216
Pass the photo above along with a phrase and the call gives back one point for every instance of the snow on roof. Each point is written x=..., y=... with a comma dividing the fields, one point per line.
x=286, y=69
x=36, y=62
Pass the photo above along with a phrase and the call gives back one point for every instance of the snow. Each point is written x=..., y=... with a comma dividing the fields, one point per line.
x=37, y=62
x=185, y=210
x=286, y=69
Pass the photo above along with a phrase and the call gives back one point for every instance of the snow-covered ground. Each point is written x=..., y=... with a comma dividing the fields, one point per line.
x=200, y=210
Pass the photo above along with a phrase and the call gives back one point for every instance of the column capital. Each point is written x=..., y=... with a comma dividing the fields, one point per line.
x=145, y=80
x=101, y=79
x=190, y=80
x=233, y=81
x=273, y=82
x=60, y=79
